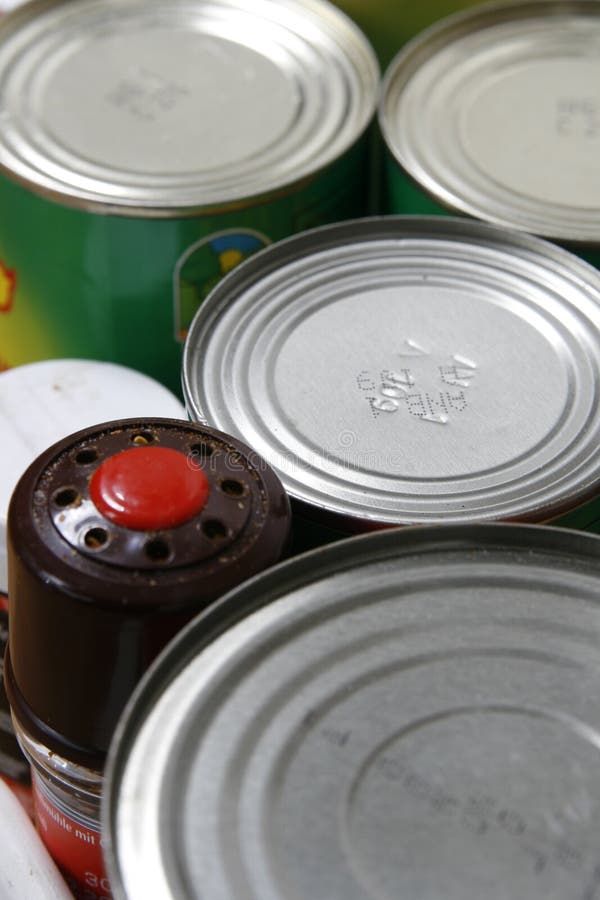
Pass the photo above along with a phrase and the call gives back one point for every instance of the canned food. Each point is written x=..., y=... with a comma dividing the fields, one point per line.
x=402, y=370
x=117, y=536
x=148, y=146
x=413, y=713
x=495, y=113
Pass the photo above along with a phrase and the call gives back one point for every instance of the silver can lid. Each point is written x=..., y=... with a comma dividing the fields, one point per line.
x=42, y=402
x=405, y=370
x=414, y=713
x=495, y=112
x=159, y=105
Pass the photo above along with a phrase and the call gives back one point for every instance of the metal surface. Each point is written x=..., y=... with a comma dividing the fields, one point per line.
x=496, y=113
x=405, y=370
x=409, y=714
x=178, y=104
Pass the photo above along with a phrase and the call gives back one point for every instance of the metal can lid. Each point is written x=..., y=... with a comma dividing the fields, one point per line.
x=495, y=112
x=44, y=401
x=160, y=105
x=410, y=713
x=404, y=370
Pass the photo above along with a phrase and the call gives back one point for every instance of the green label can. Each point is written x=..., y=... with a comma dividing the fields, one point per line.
x=147, y=149
x=494, y=113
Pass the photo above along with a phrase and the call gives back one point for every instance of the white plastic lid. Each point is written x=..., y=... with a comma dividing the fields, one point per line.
x=44, y=401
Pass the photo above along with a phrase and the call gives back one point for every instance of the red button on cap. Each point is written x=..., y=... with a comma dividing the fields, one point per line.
x=149, y=488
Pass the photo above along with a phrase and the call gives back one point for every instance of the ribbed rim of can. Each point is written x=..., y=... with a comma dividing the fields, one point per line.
x=492, y=113
x=257, y=735
x=405, y=370
x=175, y=106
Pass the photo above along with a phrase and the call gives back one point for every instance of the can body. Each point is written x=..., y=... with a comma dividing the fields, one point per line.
x=494, y=113
x=82, y=284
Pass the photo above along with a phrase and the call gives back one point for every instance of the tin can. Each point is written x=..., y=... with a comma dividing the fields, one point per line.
x=117, y=536
x=412, y=713
x=147, y=147
x=495, y=113
x=406, y=370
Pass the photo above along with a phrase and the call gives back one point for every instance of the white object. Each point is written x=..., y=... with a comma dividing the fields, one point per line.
x=27, y=870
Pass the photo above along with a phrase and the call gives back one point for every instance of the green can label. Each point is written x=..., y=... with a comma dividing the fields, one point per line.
x=124, y=289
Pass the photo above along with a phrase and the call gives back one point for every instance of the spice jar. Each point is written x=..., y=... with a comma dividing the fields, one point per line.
x=39, y=404
x=117, y=536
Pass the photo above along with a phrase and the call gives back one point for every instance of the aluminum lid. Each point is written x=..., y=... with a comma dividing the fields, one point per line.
x=414, y=713
x=159, y=105
x=408, y=370
x=42, y=402
x=495, y=112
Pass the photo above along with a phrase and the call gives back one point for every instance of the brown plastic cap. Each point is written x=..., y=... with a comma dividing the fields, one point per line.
x=95, y=594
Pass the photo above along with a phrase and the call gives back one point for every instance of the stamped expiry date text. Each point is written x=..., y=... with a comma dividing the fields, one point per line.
x=430, y=388
x=146, y=95
x=478, y=813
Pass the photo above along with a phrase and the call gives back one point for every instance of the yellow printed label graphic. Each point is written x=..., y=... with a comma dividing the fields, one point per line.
x=8, y=280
